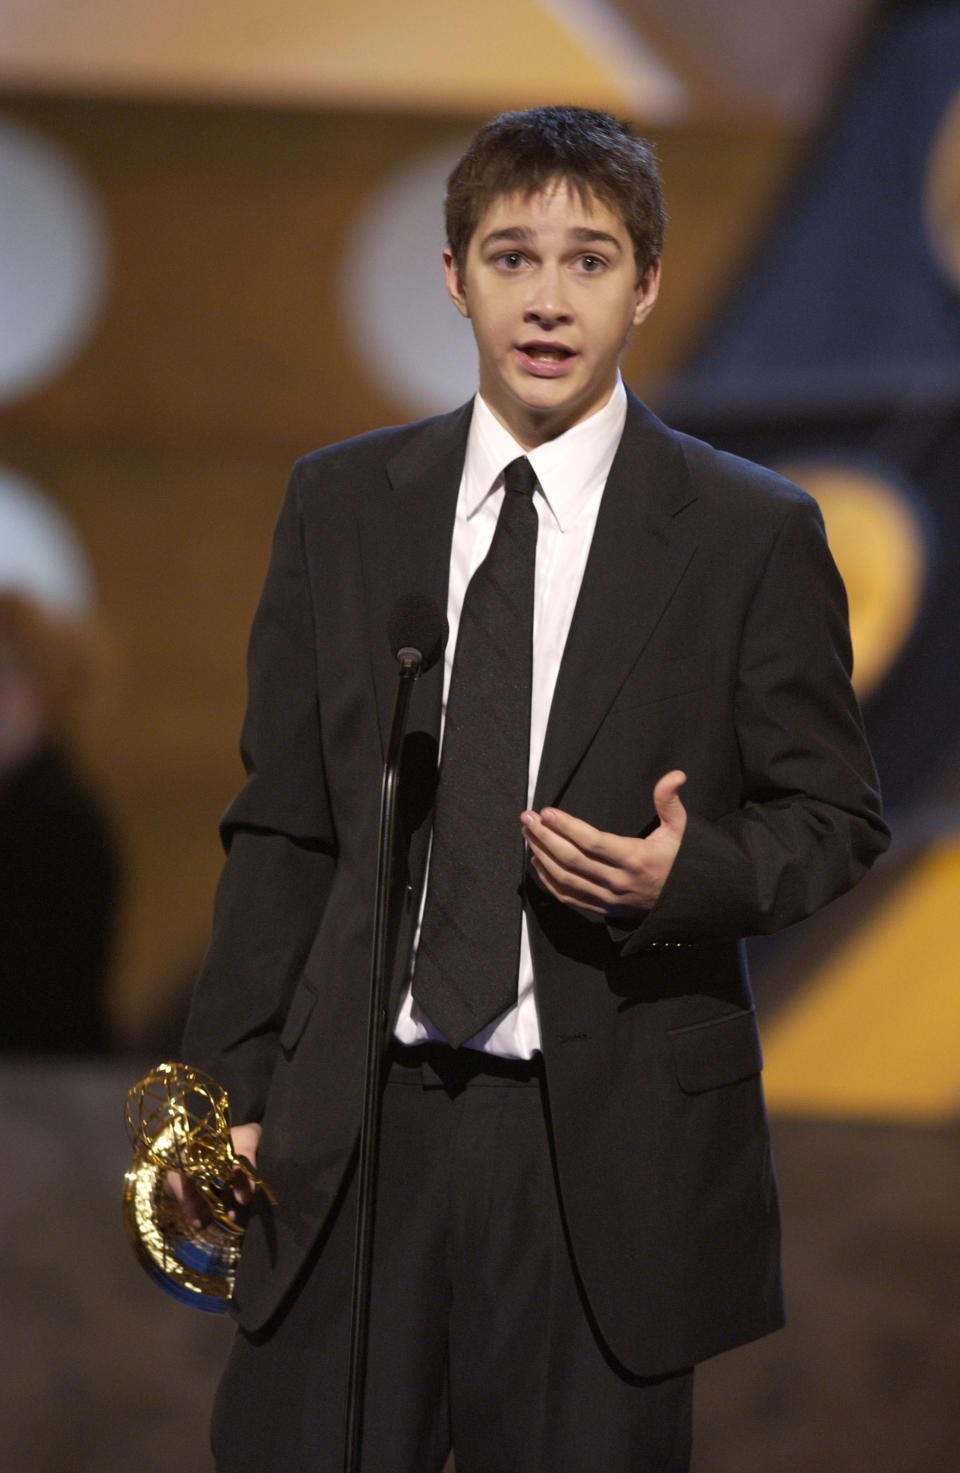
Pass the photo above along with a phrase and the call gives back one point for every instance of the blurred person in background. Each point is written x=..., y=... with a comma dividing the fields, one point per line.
x=58, y=862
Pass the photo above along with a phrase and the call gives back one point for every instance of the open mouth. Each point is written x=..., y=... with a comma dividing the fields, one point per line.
x=547, y=352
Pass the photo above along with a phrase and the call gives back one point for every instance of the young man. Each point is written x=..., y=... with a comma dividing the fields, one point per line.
x=645, y=695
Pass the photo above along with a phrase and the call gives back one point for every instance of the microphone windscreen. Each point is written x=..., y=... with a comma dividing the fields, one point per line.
x=417, y=623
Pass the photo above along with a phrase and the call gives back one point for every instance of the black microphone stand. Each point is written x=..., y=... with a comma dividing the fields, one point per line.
x=411, y=662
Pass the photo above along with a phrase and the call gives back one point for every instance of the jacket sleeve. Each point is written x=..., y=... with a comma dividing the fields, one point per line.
x=279, y=840
x=808, y=825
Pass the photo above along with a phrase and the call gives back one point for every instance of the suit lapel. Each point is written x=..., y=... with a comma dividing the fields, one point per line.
x=405, y=537
x=644, y=538
x=642, y=543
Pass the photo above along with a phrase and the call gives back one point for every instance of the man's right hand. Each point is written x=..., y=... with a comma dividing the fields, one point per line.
x=246, y=1139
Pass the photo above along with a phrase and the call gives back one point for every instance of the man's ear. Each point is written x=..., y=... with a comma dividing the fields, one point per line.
x=456, y=286
x=648, y=289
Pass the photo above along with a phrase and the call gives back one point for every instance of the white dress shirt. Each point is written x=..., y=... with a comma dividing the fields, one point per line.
x=571, y=473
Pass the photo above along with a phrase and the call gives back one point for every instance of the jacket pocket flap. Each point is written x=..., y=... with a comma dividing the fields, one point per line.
x=721, y=1051
x=300, y=1009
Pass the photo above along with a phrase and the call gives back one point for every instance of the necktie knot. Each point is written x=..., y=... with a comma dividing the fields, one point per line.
x=519, y=478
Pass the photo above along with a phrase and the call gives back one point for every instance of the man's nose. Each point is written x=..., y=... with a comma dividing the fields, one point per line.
x=548, y=303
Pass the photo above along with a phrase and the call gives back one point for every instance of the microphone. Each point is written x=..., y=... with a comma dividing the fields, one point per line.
x=417, y=632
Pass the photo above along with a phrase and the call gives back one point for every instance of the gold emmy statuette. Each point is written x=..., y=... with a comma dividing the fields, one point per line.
x=178, y=1119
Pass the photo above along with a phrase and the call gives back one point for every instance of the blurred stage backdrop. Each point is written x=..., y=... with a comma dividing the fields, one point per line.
x=219, y=247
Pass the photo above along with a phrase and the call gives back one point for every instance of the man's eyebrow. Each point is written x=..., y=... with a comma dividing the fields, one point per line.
x=517, y=233
x=520, y=235
x=586, y=235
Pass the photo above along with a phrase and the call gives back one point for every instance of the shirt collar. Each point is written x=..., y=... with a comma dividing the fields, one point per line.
x=567, y=469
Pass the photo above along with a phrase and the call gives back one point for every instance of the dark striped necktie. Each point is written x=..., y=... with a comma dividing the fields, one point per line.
x=469, y=950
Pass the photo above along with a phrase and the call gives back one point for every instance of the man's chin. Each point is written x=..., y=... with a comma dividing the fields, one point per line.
x=550, y=414
x=535, y=410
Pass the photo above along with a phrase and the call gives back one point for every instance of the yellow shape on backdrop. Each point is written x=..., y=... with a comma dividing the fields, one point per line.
x=941, y=195
x=876, y=1032
x=876, y=540
x=428, y=55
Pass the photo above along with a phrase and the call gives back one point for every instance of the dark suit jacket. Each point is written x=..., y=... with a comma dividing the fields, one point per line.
x=710, y=634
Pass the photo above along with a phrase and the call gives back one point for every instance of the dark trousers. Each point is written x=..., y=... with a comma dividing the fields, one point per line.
x=479, y=1335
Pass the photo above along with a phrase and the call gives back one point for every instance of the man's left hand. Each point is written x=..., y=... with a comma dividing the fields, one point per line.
x=608, y=875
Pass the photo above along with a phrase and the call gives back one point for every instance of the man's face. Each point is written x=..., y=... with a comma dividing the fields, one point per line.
x=550, y=288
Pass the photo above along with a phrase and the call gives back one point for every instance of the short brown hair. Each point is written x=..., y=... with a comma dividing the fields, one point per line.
x=524, y=152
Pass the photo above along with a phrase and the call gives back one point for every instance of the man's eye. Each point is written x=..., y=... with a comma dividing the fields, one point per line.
x=512, y=260
x=591, y=263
